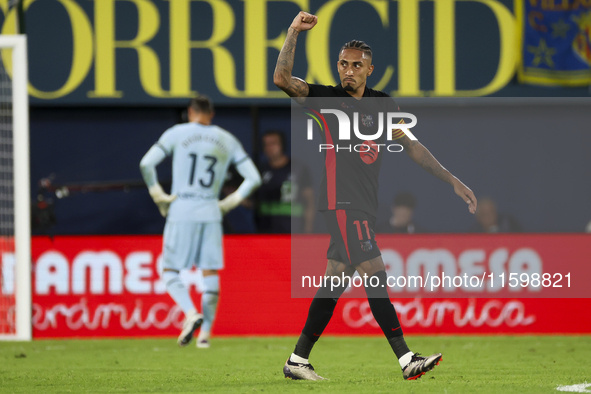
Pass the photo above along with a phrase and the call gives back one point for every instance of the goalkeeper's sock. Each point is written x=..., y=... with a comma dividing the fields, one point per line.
x=178, y=291
x=209, y=300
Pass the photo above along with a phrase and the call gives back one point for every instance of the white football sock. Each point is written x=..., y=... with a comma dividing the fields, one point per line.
x=209, y=300
x=404, y=360
x=297, y=359
x=178, y=291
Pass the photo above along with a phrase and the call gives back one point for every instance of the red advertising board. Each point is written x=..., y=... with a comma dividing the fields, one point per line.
x=105, y=286
x=459, y=266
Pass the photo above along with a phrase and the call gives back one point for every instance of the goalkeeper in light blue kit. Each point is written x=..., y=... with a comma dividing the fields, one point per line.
x=201, y=153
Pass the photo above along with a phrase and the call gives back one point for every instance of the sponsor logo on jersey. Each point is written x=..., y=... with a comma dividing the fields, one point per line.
x=369, y=153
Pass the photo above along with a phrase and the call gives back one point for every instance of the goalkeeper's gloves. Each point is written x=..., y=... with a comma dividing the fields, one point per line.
x=230, y=202
x=161, y=199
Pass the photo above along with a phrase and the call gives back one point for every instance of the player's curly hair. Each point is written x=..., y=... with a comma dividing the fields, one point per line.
x=201, y=103
x=359, y=45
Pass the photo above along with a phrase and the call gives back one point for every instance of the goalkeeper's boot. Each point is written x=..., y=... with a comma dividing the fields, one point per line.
x=418, y=365
x=298, y=371
x=203, y=344
x=203, y=340
x=190, y=325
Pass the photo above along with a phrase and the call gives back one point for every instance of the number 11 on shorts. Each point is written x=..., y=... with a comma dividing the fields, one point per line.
x=359, y=234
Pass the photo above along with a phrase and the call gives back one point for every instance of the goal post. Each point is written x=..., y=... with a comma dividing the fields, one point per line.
x=15, y=214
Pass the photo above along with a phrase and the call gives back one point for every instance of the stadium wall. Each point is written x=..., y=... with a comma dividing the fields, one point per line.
x=159, y=53
x=107, y=286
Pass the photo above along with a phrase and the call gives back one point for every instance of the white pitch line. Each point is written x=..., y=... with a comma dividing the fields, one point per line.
x=575, y=388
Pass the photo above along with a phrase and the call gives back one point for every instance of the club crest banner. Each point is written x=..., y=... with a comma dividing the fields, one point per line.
x=556, y=43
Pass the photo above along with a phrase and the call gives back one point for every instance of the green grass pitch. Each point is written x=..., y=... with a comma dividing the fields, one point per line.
x=471, y=364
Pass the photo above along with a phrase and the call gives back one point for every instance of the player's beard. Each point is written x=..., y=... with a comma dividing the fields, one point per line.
x=349, y=88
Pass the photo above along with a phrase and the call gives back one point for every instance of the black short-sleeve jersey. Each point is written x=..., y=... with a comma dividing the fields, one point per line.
x=352, y=167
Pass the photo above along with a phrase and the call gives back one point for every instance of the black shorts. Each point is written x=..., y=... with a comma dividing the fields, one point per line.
x=352, y=239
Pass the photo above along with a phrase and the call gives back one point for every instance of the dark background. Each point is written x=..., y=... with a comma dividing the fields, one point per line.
x=531, y=156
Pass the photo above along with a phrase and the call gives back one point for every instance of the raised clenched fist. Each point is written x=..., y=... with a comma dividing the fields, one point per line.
x=304, y=21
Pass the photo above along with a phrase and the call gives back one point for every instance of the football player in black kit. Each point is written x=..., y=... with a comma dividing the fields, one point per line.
x=348, y=200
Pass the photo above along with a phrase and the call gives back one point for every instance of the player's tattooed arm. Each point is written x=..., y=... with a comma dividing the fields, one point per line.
x=429, y=163
x=293, y=86
x=425, y=159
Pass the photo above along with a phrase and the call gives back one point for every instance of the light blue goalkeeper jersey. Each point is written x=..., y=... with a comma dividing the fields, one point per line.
x=200, y=159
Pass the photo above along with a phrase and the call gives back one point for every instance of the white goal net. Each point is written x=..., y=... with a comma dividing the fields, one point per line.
x=15, y=228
